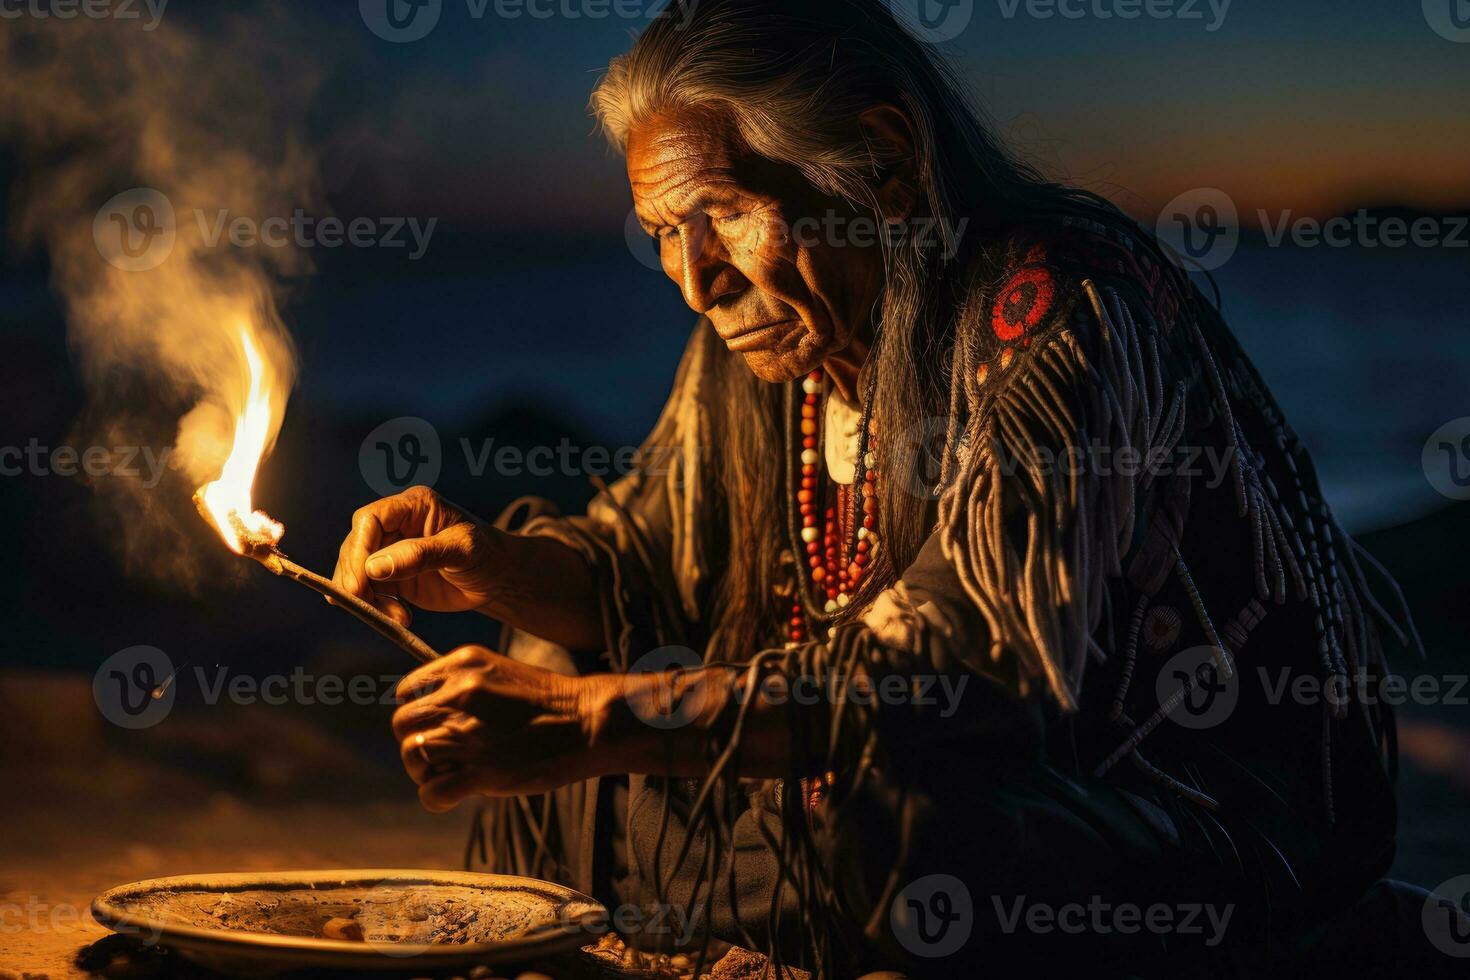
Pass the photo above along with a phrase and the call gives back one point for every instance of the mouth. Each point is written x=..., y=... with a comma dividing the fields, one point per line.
x=759, y=338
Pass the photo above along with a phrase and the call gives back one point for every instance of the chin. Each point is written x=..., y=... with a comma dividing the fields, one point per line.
x=778, y=367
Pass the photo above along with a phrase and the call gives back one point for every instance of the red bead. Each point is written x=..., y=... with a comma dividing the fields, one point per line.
x=818, y=572
x=832, y=593
x=804, y=496
x=855, y=570
x=809, y=427
x=813, y=548
x=797, y=636
x=863, y=546
x=796, y=621
x=810, y=442
x=870, y=505
x=860, y=560
x=869, y=521
x=809, y=410
x=815, y=561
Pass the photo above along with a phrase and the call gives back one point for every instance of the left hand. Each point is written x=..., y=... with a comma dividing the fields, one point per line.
x=477, y=723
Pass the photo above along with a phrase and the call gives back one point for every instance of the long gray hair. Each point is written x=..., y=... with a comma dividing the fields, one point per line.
x=794, y=78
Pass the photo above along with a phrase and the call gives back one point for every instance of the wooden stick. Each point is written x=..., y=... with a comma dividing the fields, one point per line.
x=407, y=640
x=264, y=550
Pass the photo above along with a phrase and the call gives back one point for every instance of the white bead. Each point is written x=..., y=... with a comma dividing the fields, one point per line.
x=869, y=460
x=809, y=457
x=831, y=606
x=809, y=386
x=842, y=599
x=862, y=533
x=808, y=534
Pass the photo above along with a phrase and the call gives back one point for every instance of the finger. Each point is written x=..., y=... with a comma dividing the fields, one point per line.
x=396, y=608
x=371, y=527
x=412, y=557
x=445, y=792
x=428, y=678
x=419, y=716
x=426, y=755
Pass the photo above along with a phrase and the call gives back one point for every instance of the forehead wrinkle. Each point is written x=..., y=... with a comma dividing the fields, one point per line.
x=680, y=161
x=674, y=193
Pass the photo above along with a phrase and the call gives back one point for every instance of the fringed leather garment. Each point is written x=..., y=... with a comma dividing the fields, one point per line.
x=1117, y=489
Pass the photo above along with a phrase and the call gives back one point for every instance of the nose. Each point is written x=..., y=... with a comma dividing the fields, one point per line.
x=705, y=275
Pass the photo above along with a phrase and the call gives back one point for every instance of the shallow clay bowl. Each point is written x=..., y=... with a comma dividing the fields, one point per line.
x=409, y=920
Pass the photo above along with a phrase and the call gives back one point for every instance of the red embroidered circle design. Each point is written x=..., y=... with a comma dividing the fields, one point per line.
x=1022, y=303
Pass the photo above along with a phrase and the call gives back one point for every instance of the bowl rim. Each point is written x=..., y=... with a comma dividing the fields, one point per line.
x=561, y=934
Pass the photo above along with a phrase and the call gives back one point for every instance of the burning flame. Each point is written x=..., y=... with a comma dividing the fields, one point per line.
x=226, y=501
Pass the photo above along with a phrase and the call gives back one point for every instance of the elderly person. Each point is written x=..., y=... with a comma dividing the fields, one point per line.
x=974, y=531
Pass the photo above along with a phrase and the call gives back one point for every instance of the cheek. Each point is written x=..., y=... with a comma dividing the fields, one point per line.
x=826, y=274
x=764, y=253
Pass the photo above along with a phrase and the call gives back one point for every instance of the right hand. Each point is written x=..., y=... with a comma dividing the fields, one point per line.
x=436, y=555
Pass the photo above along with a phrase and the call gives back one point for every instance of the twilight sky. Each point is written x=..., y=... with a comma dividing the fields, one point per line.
x=1317, y=106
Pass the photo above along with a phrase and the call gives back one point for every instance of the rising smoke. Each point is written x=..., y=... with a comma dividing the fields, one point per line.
x=119, y=138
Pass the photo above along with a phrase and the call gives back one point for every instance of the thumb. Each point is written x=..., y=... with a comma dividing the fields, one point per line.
x=412, y=557
x=444, y=793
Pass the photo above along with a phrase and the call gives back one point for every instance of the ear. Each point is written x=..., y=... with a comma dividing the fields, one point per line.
x=890, y=136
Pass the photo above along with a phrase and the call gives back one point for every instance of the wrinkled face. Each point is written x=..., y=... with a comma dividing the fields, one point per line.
x=781, y=270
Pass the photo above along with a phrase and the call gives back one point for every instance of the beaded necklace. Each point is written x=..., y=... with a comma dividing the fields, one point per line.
x=838, y=548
